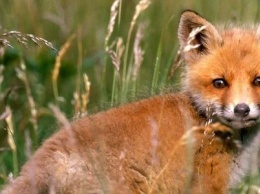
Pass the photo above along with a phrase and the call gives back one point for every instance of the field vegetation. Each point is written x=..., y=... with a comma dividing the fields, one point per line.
x=62, y=59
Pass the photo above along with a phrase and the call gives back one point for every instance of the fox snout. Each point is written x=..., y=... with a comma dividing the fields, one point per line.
x=240, y=115
x=241, y=110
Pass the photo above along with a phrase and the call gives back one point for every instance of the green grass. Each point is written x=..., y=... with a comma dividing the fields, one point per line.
x=56, y=21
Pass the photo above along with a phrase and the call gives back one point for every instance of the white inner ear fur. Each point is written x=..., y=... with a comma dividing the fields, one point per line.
x=196, y=35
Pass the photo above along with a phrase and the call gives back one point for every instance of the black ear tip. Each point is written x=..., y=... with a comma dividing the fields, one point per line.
x=189, y=11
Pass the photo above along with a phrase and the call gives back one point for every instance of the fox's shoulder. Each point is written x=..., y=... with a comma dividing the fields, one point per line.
x=137, y=117
x=172, y=105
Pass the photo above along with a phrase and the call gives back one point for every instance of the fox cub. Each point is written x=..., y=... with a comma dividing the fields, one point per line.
x=200, y=140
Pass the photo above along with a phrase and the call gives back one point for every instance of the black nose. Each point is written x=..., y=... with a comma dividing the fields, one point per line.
x=242, y=109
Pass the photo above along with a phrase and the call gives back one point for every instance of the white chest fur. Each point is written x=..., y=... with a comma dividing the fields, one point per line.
x=245, y=159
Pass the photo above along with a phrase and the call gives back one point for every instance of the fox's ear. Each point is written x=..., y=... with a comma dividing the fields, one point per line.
x=197, y=36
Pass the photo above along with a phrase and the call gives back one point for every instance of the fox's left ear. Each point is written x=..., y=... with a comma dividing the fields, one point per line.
x=197, y=36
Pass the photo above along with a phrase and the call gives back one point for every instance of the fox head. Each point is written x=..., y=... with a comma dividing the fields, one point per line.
x=222, y=69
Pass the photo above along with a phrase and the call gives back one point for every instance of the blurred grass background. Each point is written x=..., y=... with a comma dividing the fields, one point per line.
x=86, y=22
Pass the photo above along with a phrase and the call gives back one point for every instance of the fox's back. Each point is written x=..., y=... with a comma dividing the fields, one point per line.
x=121, y=149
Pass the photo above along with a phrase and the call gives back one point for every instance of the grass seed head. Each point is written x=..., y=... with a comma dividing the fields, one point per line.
x=24, y=39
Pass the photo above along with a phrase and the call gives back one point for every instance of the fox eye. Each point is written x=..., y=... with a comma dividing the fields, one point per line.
x=256, y=82
x=221, y=83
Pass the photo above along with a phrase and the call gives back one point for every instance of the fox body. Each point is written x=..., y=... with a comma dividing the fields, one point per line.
x=199, y=140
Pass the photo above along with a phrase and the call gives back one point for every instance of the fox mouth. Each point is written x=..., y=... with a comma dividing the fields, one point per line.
x=239, y=123
x=229, y=117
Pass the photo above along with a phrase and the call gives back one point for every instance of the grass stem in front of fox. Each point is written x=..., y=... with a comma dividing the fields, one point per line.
x=11, y=140
x=115, y=13
x=156, y=68
x=140, y=7
x=57, y=65
x=22, y=75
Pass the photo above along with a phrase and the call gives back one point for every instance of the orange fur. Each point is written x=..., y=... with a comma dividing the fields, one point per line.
x=161, y=144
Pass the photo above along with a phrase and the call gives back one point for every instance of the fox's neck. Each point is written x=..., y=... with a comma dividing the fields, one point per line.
x=200, y=112
x=248, y=135
x=246, y=159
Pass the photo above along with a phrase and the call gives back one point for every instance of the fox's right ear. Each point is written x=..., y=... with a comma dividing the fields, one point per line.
x=197, y=36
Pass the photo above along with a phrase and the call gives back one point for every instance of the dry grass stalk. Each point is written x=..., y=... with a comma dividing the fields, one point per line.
x=81, y=97
x=251, y=189
x=209, y=114
x=113, y=14
x=152, y=185
x=2, y=68
x=62, y=17
x=178, y=62
x=85, y=95
x=154, y=140
x=77, y=104
x=141, y=6
x=138, y=52
x=191, y=37
x=21, y=74
x=80, y=104
x=4, y=43
x=24, y=39
x=57, y=65
x=187, y=139
x=2, y=49
x=63, y=121
x=28, y=144
x=10, y=177
x=117, y=55
x=116, y=60
x=76, y=100
x=5, y=114
x=10, y=138
x=60, y=117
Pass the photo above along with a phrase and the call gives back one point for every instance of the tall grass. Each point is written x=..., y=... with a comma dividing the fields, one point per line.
x=108, y=53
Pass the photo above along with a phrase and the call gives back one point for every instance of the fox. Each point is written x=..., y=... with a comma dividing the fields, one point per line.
x=198, y=140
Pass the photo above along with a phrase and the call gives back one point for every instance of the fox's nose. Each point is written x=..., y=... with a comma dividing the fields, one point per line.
x=242, y=109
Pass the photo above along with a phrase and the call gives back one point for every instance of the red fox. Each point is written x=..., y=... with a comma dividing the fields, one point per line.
x=197, y=141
